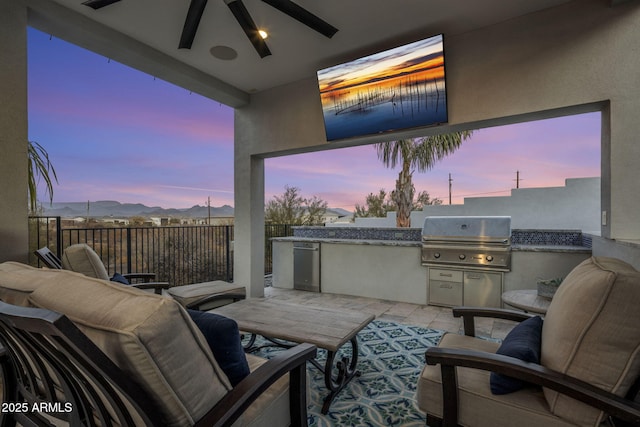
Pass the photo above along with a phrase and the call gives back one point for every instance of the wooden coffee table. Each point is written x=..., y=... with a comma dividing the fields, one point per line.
x=326, y=328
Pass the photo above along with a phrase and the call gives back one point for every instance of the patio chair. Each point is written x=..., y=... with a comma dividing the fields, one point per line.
x=83, y=259
x=91, y=265
x=121, y=357
x=578, y=366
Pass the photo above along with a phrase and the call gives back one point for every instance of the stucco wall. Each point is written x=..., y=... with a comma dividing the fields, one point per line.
x=578, y=57
x=13, y=131
x=576, y=206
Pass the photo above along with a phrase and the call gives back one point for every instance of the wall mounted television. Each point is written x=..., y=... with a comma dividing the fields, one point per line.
x=400, y=88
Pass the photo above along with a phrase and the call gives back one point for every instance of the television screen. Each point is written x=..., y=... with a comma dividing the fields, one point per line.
x=396, y=89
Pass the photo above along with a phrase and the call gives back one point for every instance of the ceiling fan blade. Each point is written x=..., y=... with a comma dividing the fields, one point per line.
x=246, y=22
x=303, y=15
x=97, y=4
x=196, y=9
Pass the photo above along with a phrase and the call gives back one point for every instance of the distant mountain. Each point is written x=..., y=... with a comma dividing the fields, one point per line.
x=340, y=211
x=110, y=208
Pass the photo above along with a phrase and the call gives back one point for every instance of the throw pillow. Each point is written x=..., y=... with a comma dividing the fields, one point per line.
x=523, y=342
x=223, y=336
x=117, y=277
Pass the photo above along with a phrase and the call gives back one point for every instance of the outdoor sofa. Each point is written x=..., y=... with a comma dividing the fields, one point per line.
x=152, y=341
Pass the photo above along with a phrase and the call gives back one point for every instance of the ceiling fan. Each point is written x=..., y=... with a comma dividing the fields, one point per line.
x=240, y=12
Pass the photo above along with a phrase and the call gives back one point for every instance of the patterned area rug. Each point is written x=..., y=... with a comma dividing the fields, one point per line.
x=391, y=356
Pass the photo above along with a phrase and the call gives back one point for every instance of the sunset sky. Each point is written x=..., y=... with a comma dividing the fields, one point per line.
x=114, y=133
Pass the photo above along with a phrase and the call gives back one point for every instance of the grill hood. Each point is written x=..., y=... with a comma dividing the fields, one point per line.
x=472, y=229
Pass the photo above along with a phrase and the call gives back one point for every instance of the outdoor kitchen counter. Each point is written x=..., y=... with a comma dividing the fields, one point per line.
x=383, y=269
x=516, y=247
x=551, y=248
x=391, y=269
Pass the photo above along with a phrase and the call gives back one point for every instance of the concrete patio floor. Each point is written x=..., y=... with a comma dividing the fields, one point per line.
x=413, y=314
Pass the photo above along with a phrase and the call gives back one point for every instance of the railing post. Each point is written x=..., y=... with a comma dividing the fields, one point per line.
x=59, y=237
x=129, y=250
x=227, y=228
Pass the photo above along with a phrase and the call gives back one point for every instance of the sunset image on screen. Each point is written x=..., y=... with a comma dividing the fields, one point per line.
x=395, y=89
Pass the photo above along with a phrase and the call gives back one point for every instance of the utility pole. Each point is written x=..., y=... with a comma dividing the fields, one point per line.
x=209, y=206
x=517, y=179
x=450, y=181
x=87, y=213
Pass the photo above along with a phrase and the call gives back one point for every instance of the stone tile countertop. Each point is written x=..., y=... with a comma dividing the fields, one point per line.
x=551, y=248
x=348, y=241
x=514, y=247
x=524, y=240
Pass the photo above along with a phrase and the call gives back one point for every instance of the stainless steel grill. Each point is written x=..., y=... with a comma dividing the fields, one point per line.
x=472, y=242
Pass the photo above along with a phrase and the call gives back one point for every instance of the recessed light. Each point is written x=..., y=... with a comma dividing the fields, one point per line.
x=263, y=34
x=223, y=52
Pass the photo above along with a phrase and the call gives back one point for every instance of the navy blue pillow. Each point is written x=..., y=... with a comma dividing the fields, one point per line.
x=523, y=342
x=223, y=337
x=117, y=277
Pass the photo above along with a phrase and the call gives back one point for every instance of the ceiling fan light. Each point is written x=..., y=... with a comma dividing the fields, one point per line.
x=243, y=17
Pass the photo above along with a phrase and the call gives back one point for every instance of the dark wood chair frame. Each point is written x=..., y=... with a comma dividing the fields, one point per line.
x=48, y=258
x=623, y=411
x=46, y=359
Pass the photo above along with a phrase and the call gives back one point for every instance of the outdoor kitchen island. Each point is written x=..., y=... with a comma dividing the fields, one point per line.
x=385, y=263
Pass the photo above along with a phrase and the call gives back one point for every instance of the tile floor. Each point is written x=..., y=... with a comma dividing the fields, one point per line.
x=413, y=314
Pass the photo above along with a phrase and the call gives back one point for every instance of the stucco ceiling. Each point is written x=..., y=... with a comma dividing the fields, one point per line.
x=365, y=27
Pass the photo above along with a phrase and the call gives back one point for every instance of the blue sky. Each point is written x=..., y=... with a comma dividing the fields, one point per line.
x=114, y=133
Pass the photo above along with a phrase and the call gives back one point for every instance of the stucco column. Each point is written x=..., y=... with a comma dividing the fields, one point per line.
x=621, y=160
x=248, y=257
x=14, y=230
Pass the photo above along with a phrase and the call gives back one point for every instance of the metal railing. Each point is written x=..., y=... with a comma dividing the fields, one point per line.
x=177, y=254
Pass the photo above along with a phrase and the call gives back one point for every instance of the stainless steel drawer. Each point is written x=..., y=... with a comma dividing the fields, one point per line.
x=445, y=275
x=445, y=293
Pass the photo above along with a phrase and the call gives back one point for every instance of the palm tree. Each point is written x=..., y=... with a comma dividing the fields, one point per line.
x=39, y=166
x=412, y=154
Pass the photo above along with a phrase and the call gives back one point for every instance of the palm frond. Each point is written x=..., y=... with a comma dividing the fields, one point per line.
x=432, y=149
x=39, y=166
x=393, y=152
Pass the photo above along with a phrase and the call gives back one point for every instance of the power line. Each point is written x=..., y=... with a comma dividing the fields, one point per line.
x=481, y=194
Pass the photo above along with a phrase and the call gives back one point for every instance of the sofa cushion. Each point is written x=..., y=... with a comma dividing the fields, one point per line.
x=149, y=336
x=82, y=259
x=523, y=342
x=591, y=332
x=272, y=407
x=223, y=337
x=18, y=281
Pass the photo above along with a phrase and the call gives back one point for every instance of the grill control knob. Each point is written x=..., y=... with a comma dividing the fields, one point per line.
x=436, y=255
x=489, y=258
x=462, y=256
